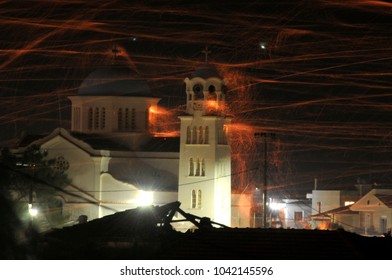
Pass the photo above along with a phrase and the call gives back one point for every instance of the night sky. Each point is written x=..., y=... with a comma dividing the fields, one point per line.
x=316, y=74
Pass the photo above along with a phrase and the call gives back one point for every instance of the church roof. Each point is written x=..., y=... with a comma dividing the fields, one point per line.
x=163, y=144
x=206, y=71
x=27, y=139
x=99, y=141
x=114, y=81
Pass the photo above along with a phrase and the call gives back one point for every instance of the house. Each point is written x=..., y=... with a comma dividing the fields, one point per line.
x=369, y=214
x=375, y=212
x=326, y=204
x=297, y=213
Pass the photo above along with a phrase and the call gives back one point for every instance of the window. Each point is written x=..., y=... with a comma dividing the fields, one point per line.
x=193, y=199
x=211, y=89
x=298, y=216
x=225, y=134
x=206, y=135
x=96, y=118
x=126, y=126
x=212, y=94
x=61, y=164
x=90, y=118
x=383, y=224
x=120, y=119
x=198, y=92
x=103, y=118
x=199, y=199
x=133, y=119
x=200, y=135
x=147, y=119
x=196, y=199
x=191, y=167
x=194, y=135
x=198, y=167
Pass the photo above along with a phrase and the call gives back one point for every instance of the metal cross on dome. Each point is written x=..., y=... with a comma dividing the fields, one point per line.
x=206, y=53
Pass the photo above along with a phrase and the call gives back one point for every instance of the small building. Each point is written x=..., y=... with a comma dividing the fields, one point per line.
x=375, y=212
x=297, y=213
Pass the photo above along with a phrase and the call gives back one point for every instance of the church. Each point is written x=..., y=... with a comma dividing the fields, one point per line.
x=116, y=160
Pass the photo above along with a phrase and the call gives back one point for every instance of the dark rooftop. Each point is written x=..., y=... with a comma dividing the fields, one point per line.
x=145, y=233
x=385, y=198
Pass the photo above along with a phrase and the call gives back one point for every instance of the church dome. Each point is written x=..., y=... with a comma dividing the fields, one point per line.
x=114, y=81
x=206, y=71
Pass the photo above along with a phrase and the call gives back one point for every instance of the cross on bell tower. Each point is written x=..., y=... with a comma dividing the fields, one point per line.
x=206, y=53
x=115, y=51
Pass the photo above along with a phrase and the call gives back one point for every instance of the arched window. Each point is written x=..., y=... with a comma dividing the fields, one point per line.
x=206, y=135
x=133, y=119
x=198, y=92
x=193, y=199
x=90, y=118
x=188, y=135
x=199, y=199
x=203, y=167
x=191, y=167
x=126, y=126
x=194, y=135
x=225, y=134
x=212, y=93
x=197, y=167
x=147, y=119
x=96, y=118
x=200, y=135
x=103, y=118
x=120, y=121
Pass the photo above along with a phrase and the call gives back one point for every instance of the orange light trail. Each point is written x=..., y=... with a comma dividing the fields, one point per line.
x=317, y=74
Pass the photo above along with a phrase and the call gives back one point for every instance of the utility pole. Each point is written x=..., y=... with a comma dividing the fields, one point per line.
x=266, y=138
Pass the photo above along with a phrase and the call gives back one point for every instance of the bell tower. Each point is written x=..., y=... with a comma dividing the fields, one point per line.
x=205, y=157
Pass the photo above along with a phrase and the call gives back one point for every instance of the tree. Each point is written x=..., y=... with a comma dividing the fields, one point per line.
x=30, y=181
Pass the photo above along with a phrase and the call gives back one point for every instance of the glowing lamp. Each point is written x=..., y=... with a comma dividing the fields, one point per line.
x=33, y=211
x=145, y=198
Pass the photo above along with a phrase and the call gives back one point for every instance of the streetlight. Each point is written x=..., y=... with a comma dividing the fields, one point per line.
x=32, y=211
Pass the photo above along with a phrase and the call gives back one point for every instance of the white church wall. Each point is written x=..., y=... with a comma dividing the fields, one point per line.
x=83, y=171
x=158, y=171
